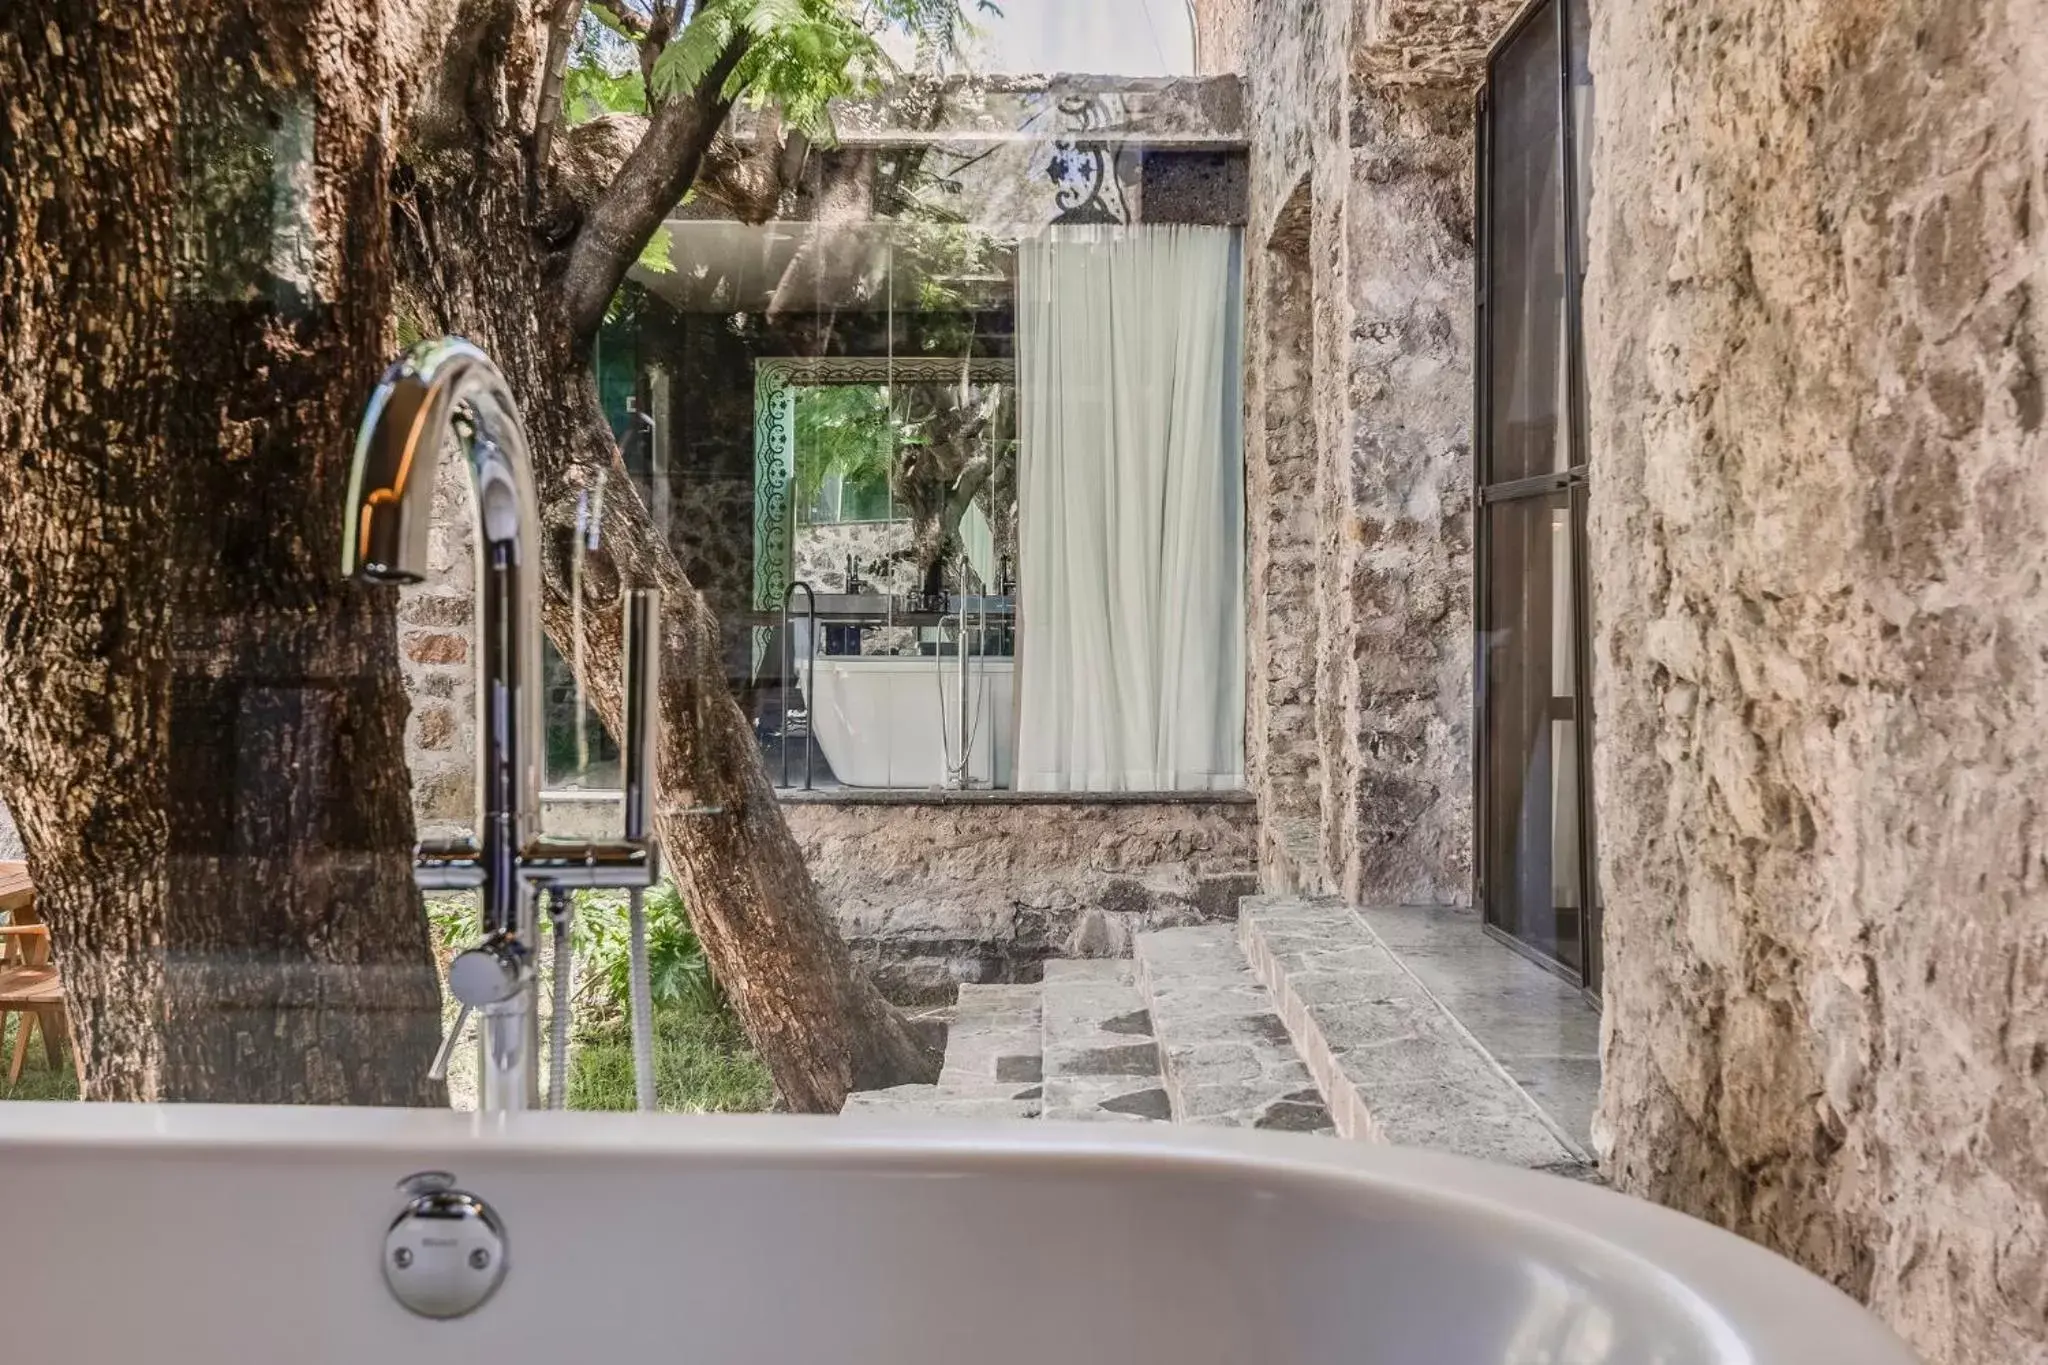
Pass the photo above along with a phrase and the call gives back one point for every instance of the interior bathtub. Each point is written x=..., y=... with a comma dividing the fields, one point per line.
x=892, y=720
x=198, y=1235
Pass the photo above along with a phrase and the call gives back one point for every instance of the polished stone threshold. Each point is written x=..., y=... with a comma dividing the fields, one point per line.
x=905, y=796
x=1392, y=1059
x=1540, y=1028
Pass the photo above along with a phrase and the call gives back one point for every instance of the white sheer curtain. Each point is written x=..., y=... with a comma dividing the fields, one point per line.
x=1131, y=506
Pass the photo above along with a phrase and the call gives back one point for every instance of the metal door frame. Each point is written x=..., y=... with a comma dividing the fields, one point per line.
x=1572, y=482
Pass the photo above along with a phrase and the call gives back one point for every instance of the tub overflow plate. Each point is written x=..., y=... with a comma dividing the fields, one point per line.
x=444, y=1254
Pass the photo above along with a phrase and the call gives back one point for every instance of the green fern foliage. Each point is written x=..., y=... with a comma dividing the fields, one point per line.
x=800, y=54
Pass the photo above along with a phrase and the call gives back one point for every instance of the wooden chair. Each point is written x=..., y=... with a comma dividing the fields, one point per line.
x=17, y=898
x=29, y=984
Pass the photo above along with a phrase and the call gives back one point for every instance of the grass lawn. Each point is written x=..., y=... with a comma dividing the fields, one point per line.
x=702, y=1064
x=38, y=1081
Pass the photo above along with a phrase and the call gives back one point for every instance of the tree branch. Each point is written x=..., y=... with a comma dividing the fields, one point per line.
x=652, y=182
x=652, y=40
x=561, y=32
x=749, y=180
x=620, y=20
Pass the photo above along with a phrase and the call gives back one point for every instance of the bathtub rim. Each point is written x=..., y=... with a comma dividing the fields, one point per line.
x=1766, y=1303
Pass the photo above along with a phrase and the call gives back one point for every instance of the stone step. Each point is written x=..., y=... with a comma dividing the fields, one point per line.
x=1101, y=1062
x=991, y=1069
x=1225, y=1055
x=930, y=1101
x=993, y=1045
x=1393, y=1063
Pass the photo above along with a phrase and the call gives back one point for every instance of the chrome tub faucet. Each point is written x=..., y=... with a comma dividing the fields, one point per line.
x=448, y=392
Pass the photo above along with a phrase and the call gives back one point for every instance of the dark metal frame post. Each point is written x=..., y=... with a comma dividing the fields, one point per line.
x=1580, y=422
x=788, y=649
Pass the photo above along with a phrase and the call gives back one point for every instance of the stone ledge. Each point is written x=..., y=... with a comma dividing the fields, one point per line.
x=928, y=1101
x=1189, y=111
x=1392, y=1062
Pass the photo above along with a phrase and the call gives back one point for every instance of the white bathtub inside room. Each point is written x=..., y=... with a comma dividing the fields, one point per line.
x=886, y=720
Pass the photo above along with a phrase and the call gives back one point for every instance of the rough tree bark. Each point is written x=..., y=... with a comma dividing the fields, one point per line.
x=200, y=724
x=84, y=382
x=486, y=250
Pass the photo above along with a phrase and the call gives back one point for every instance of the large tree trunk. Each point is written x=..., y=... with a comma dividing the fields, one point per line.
x=486, y=255
x=203, y=726
x=85, y=266
x=301, y=966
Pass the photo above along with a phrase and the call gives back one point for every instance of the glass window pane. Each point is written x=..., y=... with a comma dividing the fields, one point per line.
x=580, y=752
x=1525, y=255
x=1581, y=89
x=1531, y=727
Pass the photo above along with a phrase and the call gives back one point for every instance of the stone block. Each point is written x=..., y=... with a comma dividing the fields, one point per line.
x=436, y=647
x=434, y=727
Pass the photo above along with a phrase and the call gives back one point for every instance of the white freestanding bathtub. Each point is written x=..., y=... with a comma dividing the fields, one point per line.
x=217, y=1235
x=890, y=720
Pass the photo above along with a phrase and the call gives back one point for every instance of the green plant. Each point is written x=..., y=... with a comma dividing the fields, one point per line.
x=39, y=1080
x=677, y=970
x=845, y=431
x=803, y=54
x=452, y=919
x=603, y=75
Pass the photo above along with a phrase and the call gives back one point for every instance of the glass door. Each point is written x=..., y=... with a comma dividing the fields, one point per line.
x=1536, y=879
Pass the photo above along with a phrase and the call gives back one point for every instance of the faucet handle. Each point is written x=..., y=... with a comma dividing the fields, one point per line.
x=439, y=1070
x=491, y=973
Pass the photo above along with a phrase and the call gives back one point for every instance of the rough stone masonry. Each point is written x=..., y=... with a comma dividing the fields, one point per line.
x=1819, y=535
x=1818, y=531
x=1358, y=459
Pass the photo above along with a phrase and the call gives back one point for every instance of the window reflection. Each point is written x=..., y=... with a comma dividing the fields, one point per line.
x=1535, y=877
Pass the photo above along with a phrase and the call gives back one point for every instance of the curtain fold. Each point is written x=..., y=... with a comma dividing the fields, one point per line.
x=1131, y=507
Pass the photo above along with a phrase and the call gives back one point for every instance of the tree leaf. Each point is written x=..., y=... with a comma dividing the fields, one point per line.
x=689, y=57
x=655, y=255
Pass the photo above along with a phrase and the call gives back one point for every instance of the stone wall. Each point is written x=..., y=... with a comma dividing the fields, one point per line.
x=818, y=555
x=934, y=891
x=1816, y=349
x=436, y=621
x=10, y=838
x=1220, y=27
x=1358, y=442
x=1404, y=820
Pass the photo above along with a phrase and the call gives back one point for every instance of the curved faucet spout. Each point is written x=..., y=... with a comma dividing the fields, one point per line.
x=441, y=392
x=437, y=389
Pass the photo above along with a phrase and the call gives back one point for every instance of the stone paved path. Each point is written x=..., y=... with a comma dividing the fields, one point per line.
x=992, y=1065
x=1101, y=1062
x=1227, y=1057
x=1298, y=1017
